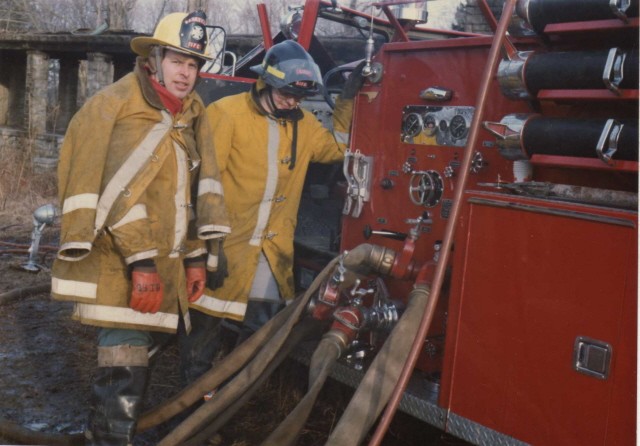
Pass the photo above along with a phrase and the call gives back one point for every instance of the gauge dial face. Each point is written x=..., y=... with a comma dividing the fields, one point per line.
x=458, y=127
x=443, y=126
x=412, y=124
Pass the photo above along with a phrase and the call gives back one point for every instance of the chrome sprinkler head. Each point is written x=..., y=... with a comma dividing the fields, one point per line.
x=46, y=214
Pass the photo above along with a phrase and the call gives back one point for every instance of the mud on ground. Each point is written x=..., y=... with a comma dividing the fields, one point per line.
x=47, y=362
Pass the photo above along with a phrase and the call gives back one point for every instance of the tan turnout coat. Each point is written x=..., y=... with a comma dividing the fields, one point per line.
x=262, y=195
x=135, y=183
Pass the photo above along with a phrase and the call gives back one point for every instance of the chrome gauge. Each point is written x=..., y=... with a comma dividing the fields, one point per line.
x=412, y=125
x=458, y=127
x=425, y=188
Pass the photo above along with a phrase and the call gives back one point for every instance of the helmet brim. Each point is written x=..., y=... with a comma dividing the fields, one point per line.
x=142, y=47
x=257, y=69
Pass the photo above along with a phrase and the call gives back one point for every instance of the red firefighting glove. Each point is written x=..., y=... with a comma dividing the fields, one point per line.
x=146, y=290
x=196, y=278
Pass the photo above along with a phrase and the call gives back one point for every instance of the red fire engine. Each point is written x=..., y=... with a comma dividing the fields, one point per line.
x=491, y=184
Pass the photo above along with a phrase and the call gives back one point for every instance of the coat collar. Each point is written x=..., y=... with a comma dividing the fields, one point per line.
x=147, y=89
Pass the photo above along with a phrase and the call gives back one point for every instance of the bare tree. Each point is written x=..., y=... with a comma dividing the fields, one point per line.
x=119, y=13
x=193, y=5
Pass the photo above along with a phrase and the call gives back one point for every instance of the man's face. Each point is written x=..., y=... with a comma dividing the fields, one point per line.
x=180, y=73
x=284, y=100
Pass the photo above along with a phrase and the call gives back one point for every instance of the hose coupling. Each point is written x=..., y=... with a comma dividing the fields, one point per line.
x=349, y=321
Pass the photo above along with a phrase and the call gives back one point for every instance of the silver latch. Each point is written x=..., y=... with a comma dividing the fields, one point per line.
x=357, y=169
x=592, y=357
x=619, y=9
x=613, y=74
x=608, y=142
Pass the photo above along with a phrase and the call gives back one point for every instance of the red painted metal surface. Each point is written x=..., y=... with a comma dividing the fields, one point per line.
x=528, y=276
x=595, y=95
x=409, y=72
x=597, y=26
x=584, y=163
x=264, y=26
x=308, y=24
x=552, y=273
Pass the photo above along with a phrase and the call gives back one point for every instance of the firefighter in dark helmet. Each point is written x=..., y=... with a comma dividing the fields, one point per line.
x=140, y=194
x=264, y=144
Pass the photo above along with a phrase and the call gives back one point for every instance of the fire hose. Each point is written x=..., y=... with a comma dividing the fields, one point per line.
x=18, y=293
x=299, y=333
x=279, y=331
x=23, y=435
x=228, y=394
x=272, y=344
x=374, y=390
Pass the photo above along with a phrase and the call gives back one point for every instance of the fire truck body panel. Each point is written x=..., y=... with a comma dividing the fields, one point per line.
x=535, y=350
x=540, y=333
x=534, y=336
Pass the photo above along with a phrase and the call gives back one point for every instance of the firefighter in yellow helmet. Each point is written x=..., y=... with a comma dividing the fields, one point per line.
x=264, y=144
x=140, y=194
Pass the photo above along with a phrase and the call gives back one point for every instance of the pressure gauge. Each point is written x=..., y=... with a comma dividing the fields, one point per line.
x=443, y=126
x=412, y=124
x=458, y=127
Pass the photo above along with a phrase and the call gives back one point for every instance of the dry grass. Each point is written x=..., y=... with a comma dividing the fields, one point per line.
x=21, y=189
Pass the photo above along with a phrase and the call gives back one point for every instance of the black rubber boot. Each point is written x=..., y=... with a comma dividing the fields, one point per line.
x=259, y=312
x=116, y=401
x=200, y=347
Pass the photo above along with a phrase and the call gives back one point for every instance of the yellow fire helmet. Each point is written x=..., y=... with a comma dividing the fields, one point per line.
x=179, y=31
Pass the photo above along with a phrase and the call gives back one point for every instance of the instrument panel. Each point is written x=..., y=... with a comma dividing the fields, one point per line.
x=440, y=126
